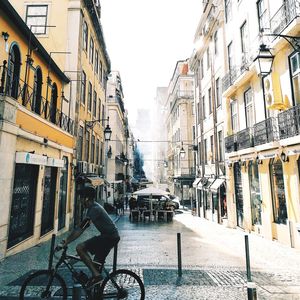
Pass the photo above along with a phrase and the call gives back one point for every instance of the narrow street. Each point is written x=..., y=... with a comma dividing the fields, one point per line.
x=213, y=261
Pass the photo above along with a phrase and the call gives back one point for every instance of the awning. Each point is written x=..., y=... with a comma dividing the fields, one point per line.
x=208, y=183
x=195, y=183
x=218, y=182
x=95, y=180
x=202, y=182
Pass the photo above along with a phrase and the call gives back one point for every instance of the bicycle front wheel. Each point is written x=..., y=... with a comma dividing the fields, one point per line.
x=43, y=285
x=122, y=284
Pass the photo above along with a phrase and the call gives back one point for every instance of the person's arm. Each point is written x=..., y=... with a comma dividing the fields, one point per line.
x=76, y=233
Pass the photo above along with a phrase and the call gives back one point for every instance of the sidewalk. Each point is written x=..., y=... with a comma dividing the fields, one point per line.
x=275, y=267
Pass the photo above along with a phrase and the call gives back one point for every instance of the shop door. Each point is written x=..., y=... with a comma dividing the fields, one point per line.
x=63, y=195
x=48, y=200
x=23, y=204
x=238, y=195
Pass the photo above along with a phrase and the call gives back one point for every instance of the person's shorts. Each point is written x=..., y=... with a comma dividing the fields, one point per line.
x=100, y=246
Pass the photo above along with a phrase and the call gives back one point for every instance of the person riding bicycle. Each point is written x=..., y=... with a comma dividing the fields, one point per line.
x=99, y=245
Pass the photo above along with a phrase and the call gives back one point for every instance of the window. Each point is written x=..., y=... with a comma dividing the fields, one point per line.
x=201, y=69
x=90, y=97
x=205, y=151
x=248, y=100
x=100, y=72
x=212, y=156
x=234, y=116
x=103, y=115
x=80, y=143
x=218, y=92
x=95, y=104
x=278, y=192
x=228, y=10
x=36, y=18
x=99, y=113
x=295, y=74
x=37, y=91
x=262, y=12
x=221, y=145
x=244, y=38
x=198, y=113
x=93, y=149
x=85, y=34
x=97, y=151
x=203, y=107
x=209, y=101
x=230, y=56
x=83, y=87
x=216, y=42
x=91, y=54
x=87, y=146
x=207, y=58
x=96, y=62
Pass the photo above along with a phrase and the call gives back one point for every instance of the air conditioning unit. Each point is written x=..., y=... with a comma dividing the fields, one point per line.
x=82, y=167
x=91, y=168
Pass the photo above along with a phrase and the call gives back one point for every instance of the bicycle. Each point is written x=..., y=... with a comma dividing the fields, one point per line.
x=49, y=284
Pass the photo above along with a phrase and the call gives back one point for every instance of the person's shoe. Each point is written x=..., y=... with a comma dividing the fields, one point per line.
x=94, y=281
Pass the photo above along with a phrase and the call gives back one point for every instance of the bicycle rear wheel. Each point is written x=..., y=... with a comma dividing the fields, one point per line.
x=43, y=285
x=122, y=284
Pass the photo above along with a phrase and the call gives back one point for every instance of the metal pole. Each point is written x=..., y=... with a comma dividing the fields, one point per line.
x=251, y=289
x=115, y=258
x=179, y=254
x=51, y=251
x=77, y=288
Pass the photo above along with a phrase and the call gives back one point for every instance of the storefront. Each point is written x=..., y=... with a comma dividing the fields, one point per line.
x=238, y=194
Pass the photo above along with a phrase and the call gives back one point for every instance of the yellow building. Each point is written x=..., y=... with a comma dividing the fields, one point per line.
x=76, y=41
x=262, y=144
x=36, y=139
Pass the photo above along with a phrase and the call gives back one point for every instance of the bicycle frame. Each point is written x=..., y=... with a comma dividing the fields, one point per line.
x=63, y=260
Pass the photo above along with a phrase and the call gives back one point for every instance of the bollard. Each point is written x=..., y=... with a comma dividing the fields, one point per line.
x=251, y=289
x=51, y=251
x=179, y=254
x=77, y=288
x=115, y=258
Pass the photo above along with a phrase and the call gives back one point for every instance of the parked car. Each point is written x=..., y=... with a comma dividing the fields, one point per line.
x=175, y=200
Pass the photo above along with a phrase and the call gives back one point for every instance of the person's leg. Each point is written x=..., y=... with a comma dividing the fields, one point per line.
x=85, y=257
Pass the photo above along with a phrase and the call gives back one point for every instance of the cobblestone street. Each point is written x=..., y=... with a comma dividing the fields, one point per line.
x=213, y=263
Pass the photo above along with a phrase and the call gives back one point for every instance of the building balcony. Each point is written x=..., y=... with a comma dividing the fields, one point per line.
x=118, y=100
x=289, y=11
x=230, y=143
x=289, y=122
x=265, y=131
x=30, y=98
x=244, y=139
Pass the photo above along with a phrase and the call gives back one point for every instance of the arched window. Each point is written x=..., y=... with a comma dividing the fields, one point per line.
x=13, y=71
x=53, y=103
x=37, y=91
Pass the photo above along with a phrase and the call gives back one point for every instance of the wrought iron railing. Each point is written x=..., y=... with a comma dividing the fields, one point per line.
x=13, y=86
x=244, y=139
x=265, y=131
x=230, y=143
x=285, y=15
x=229, y=78
x=289, y=122
x=184, y=94
x=118, y=100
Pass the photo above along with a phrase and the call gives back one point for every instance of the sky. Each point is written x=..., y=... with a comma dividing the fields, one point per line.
x=144, y=40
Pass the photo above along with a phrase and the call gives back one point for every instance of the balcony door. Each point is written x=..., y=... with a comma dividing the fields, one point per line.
x=13, y=71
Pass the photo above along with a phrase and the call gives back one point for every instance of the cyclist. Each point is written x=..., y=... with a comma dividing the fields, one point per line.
x=99, y=245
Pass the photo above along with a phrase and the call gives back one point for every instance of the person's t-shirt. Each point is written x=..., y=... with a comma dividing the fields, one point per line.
x=102, y=220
